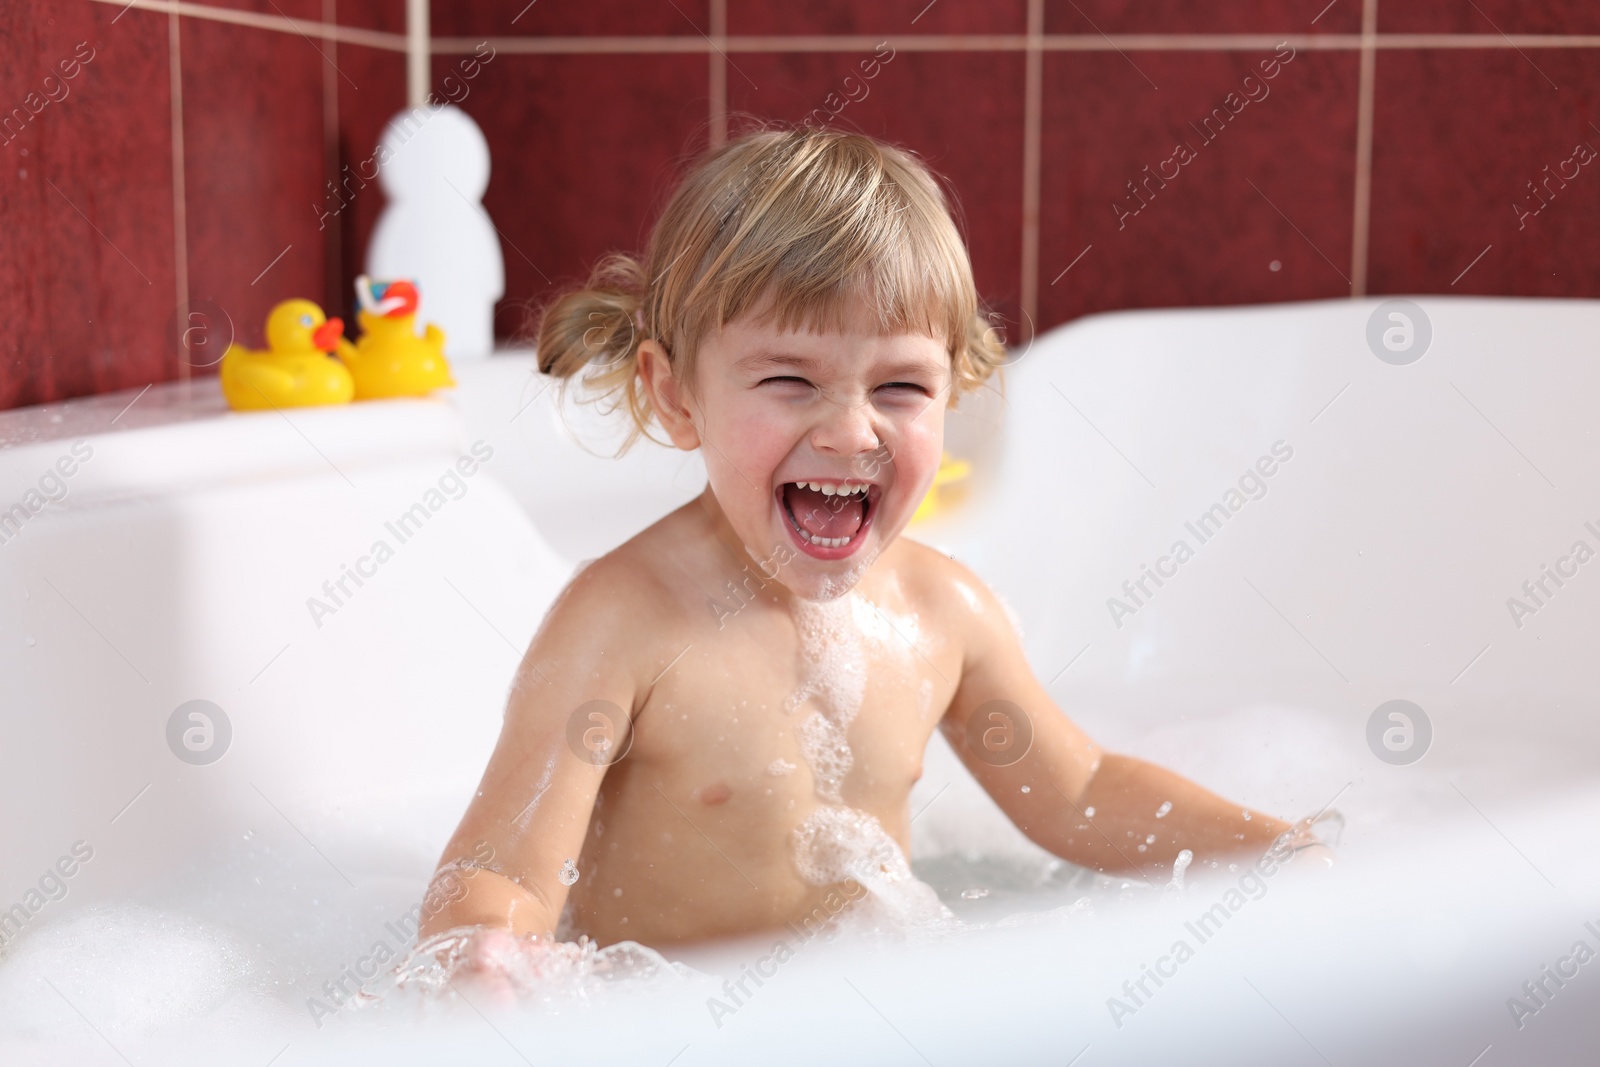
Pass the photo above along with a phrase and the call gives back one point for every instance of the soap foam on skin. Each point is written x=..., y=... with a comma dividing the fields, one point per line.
x=832, y=587
x=889, y=628
x=834, y=678
x=836, y=843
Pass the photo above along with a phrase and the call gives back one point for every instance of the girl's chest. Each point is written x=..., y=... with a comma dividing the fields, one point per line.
x=840, y=706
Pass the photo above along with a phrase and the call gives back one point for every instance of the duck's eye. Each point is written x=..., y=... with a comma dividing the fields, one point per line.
x=305, y=320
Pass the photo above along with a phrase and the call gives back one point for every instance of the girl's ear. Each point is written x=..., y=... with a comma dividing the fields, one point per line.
x=668, y=397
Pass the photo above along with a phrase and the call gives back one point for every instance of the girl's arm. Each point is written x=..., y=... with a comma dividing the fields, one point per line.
x=528, y=819
x=1094, y=808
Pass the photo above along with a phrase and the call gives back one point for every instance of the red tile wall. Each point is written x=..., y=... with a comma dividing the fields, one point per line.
x=1261, y=210
x=1188, y=17
x=565, y=188
x=253, y=168
x=480, y=19
x=1495, y=124
x=592, y=108
x=830, y=17
x=86, y=252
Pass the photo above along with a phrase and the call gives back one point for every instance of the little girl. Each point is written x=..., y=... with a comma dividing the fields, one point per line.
x=717, y=727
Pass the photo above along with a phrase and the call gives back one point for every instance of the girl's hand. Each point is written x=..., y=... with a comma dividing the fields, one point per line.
x=1316, y=856
x=485, y=967
x=1306, y=846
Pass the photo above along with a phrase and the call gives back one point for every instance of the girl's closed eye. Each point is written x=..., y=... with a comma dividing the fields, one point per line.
x=905, y=391
x=788, y=384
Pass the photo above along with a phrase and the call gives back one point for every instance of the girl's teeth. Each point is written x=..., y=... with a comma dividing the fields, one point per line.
x=832, y=489
x=825, y=542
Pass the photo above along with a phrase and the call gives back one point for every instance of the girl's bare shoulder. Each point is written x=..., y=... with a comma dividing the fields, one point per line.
x=942, y=587
x=616, y=621
x=639, y=582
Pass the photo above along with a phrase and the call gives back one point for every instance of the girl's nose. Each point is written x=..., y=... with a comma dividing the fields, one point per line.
x=845, y=430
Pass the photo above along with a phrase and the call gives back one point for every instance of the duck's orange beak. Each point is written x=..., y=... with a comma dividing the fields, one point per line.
x=400, y=298
x=326, y=336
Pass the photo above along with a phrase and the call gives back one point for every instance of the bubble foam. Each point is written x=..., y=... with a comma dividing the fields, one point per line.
x=134, y=970
x=837, y=843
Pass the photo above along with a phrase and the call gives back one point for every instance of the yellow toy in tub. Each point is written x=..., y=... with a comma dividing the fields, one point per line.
x=295, y=370
x=950, y=470
x=390, y=360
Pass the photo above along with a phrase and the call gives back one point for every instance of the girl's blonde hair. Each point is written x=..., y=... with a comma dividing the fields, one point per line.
x=796, y=224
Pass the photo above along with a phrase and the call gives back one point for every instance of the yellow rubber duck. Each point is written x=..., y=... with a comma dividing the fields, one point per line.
x=295, y=370
x=390, y=360
x=950, y=470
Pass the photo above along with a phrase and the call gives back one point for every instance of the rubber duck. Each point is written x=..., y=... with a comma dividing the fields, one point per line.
x=390, y=360
x=950, y=470
x=295, y=371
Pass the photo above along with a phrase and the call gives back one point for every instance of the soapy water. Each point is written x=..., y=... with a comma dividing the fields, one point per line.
x=1180, y=865
x=282, y=946
x=129, y=967
x=535, y=972
x=268, y=941
x=264, y=939
x=223, y=955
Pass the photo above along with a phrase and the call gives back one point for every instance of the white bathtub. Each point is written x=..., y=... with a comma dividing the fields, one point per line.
x=1377, y=566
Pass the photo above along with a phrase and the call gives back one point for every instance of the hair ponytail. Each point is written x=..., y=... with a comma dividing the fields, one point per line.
x=595, y=331
x=594, y=325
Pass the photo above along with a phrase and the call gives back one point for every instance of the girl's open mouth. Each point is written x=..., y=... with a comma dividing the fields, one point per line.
x=828, y=519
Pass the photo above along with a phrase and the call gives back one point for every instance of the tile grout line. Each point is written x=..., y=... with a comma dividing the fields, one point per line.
x=180, y=190
x=332, y=247
x=419, y=53
x=674, y=44
x=379, y=39
x=717, y=58
x=1032, y=136
x=677, y=44
x=1361, y=221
